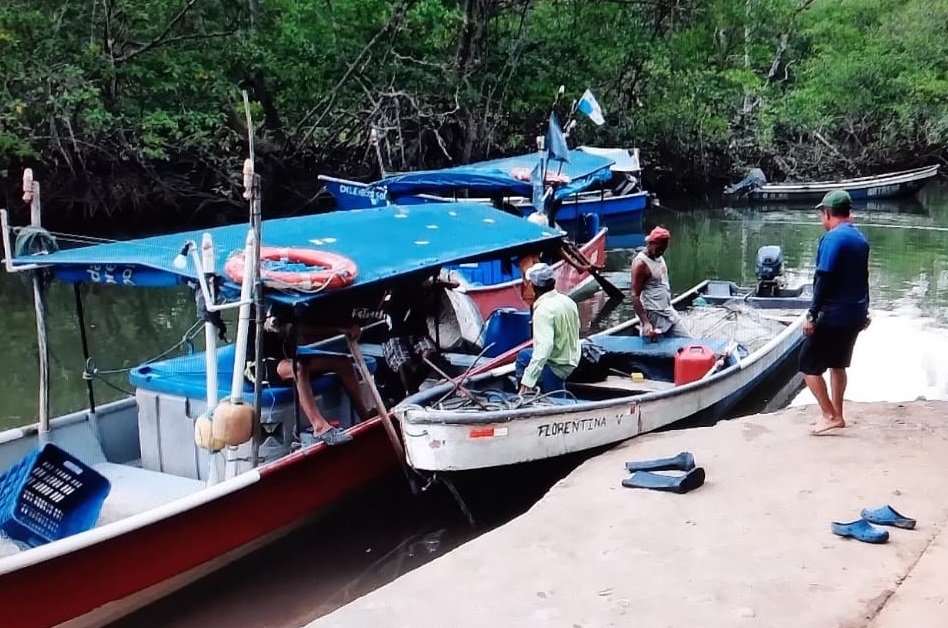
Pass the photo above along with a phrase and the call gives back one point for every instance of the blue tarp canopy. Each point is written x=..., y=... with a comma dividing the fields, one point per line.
x=508, y=176
x=384, y=242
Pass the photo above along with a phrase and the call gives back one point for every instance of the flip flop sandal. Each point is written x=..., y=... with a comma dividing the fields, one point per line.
x=887, y=516
x=671, y=483
x=684, y=461
x=334, y=436
x=861, y=530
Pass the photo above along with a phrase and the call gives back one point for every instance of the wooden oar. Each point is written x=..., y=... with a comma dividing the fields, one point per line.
x=384, y=414
x=575, y=258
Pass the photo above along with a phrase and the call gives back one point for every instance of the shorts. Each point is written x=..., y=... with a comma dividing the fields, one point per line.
x=271, y=374
x=828, y=348
x=399, y=351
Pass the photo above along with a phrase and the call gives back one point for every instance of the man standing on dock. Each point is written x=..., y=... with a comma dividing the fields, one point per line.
x=839, y=310
x=651, y=290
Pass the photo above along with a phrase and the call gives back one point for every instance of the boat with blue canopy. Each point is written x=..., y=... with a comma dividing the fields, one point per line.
x=595, y=183
x=175, y=496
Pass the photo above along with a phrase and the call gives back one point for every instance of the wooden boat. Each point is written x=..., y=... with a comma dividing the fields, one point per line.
x=176, y=511
x=890, y=185
x=599, y=182
x=445, y=429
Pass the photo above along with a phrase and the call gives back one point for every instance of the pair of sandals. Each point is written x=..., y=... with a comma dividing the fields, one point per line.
x=644, y=476
x=863, y=529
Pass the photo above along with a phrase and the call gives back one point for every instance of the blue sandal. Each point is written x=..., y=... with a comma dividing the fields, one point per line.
x=887, y=516
x=861, y=530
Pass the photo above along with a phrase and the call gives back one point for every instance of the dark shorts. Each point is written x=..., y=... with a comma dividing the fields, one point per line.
x=399, y=351
x=271, y=375
x=828, y=348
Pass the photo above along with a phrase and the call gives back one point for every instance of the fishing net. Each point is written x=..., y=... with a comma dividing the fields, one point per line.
x=734, y=321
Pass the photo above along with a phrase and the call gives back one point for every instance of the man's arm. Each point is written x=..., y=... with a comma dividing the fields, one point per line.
x=826, y=257
x=542, y=348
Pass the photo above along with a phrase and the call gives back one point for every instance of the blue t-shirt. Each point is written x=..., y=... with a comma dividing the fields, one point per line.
x=843, y=257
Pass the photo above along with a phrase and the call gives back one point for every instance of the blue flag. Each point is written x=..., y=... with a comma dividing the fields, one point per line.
x=556, y=147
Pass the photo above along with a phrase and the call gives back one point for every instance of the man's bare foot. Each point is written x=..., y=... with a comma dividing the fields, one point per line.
x=827, y=426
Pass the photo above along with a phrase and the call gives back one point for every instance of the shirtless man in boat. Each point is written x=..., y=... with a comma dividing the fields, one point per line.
x=839, y=310
x=651, y=290
x=280, y=342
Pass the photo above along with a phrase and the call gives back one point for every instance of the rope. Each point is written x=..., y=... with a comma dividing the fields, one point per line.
x=91, y=372
x=492, y=400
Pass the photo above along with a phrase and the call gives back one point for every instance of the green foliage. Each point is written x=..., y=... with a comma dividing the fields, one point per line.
x=703, y=88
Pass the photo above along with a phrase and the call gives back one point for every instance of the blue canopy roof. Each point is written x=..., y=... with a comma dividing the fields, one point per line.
x=508, y=176
x=384, y=243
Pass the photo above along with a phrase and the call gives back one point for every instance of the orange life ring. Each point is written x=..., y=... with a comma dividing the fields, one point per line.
x=333, y=271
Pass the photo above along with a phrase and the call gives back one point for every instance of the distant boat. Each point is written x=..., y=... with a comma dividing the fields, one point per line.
x=754, y=186
x=603, y=182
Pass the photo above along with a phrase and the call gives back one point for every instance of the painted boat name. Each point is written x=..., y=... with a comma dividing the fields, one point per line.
x=568, y=427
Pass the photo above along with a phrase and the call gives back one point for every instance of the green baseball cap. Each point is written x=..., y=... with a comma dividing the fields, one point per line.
x=834, y=199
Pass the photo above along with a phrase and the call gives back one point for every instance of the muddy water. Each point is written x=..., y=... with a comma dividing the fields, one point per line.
x=383, y=532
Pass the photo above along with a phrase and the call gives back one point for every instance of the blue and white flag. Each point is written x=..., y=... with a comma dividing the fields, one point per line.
x=588, y=105
x=556, y=147
x=536, y=180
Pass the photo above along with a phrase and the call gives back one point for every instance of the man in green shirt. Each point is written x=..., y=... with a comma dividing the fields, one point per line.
x=556, y=345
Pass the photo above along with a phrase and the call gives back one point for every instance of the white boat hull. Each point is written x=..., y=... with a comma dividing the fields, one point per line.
x=439, y=441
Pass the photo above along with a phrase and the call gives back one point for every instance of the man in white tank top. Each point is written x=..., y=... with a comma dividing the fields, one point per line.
x=651, y=290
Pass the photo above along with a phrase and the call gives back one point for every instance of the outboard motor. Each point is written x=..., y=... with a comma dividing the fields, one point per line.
x=769, y=269
x=754, y=179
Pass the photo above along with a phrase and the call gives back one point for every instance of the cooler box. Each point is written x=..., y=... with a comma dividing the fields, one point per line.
x=692, y=362
x=506, y=328
x=172, y=394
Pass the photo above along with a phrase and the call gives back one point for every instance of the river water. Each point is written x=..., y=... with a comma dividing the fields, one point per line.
x=382, y=533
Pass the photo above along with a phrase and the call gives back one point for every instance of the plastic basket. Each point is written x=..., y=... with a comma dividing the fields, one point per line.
x=50, y=495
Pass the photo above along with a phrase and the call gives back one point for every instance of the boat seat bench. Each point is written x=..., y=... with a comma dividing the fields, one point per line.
x=136, y=490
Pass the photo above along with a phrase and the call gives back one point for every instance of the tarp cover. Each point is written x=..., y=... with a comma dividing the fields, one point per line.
x=384, y=243
x=507, y=177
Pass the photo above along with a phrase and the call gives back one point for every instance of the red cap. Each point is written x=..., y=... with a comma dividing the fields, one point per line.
x=658, y=233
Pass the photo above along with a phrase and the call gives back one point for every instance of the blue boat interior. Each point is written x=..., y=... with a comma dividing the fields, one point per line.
x=185, y=376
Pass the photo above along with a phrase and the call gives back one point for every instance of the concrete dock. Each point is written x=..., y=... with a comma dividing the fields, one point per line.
x=752, y=547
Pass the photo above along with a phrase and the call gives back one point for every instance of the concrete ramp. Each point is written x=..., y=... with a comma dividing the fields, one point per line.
x=752, y=547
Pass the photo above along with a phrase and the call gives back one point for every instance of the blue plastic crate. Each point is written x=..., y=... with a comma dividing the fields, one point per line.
x=50, y=495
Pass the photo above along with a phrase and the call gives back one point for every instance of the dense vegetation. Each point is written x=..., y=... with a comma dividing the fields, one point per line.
x=122, y=105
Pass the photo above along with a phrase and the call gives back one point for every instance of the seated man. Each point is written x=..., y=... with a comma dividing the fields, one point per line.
x=280, y=340
x=556, y=345
x=409, y=343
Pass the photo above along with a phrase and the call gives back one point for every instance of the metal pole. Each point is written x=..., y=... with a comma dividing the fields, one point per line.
x=255, y=217
x=252, y=194
x=31, y=194
x=80, y=314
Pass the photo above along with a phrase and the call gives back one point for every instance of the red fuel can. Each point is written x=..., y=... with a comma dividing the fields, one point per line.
x=692, y=362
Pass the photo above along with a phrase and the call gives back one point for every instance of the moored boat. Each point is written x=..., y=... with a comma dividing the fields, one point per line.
x=177, y=511
x=600, y=182
x=889, y=185
x=635, y=386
